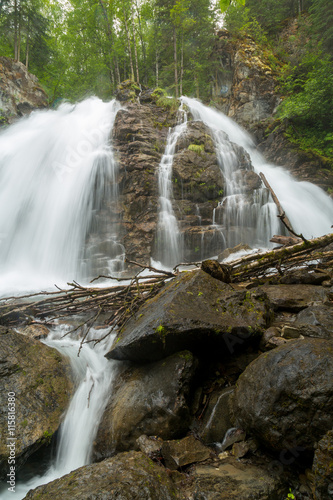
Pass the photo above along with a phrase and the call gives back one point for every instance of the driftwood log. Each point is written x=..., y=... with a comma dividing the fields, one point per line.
x=119, y=302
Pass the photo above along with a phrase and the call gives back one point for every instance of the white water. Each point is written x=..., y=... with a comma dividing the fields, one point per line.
x=56, y=168
x=94, y=376
x=309, y=208
x=169, y=239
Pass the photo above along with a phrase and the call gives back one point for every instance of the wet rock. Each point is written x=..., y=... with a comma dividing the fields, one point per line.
x=294, y=298
x=290, y=332
x=228, y=251
x=125, y=476
x=239, y=450
x=196, y=175
x=216, y=420
x=216, y=270
x=193, y=311
x=275, y=342
x=251, y=96
x=323, y=468
x=139, y=137
x=248, y=179
x=316, y=320
x=233, y=435
x=183, y=452
x=233, y=480
x=269, y=334
x=20, y=91
x=304, y=277
x=39, y=379
x=285, y=396
x=152, y=400
x=36, y=331
x=150, y=446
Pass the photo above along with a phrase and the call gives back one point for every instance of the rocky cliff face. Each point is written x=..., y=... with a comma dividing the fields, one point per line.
x=245, y=82
x=139, y=139
x=246, y=89
x=20, y=91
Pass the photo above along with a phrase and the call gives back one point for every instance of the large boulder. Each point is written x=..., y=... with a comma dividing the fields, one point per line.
x=233, y=480
x=126, y=476
x=294, y=298
x=35, y=387
x=285, y=397
x=194, y=311
x=216, y=419
x=316, y=320
x=152, y=400
x=323, y=468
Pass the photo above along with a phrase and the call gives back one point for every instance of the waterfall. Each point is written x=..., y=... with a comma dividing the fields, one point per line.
x=169, y=239
x=56, y=171
x=93, y=376
x=253, y=220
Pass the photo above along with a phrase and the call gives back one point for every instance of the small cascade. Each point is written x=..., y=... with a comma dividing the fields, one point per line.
x=169, y=247
x=252, y=218
x=58, y=191
x=94, y=376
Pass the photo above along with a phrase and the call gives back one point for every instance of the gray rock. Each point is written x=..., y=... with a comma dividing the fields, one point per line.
x=126, y=476
x=285, y=396
x=183, y=452
x=20, y=91
x=323, y=468
x=216, y=420
x=316, y=321
x=294, y=298
x=228, y=251
x=150, y=446
x=39, y=379
x=151, y=400
x=290, y=332
x=233, y=480
x=191, y=311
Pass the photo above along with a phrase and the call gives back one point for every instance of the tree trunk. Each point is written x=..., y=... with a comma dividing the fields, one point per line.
x=276, y=201
x=175, y=60
x=196, y=83
x=15, y=30
x=116, y=65
x=182, y=66
x=19, y=37
x=110, y=38
x=135, y=47
x=27, y=54
x=142, y=43
x=156, y=65
x=128, y=44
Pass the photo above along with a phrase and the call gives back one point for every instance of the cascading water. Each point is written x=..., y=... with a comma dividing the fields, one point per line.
x=308, y=208
x=169, y=239
x=94, y=376
x=56, y=171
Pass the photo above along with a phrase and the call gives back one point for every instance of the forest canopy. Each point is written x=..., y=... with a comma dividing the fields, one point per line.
x=82, y=47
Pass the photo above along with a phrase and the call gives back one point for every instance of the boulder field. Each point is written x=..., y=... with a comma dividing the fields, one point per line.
x=226, y=392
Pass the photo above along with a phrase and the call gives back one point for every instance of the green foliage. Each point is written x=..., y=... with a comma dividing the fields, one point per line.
x=225, y=4
x=308, y=105
x=290, y=495
x=322, y=18
x=197, y=148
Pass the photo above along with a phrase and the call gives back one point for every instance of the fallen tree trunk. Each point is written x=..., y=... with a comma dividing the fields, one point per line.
x=300, y=253
x=285, y=240
x=123, y=299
